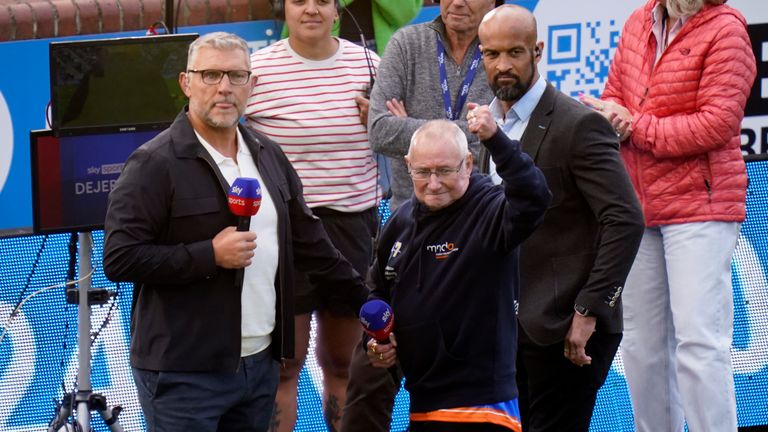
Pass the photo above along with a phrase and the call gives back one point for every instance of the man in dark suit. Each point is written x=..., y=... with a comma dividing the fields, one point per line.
x=574, y=266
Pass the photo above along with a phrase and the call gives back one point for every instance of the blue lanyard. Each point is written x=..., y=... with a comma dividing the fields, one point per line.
x=453, y=113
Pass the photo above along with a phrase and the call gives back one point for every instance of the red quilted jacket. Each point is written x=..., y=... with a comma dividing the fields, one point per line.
x=683, y=156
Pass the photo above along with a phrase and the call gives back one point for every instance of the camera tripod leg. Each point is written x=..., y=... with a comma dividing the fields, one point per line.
x=63, y=411
x=110, y=418
x=85, y=400
x=98, y=403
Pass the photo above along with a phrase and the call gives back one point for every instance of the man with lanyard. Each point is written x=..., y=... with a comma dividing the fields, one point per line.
x=410, y=91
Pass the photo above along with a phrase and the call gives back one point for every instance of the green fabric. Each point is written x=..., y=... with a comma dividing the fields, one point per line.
x=388, y=16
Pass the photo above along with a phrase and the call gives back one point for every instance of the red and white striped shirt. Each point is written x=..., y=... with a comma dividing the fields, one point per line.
x=308, y=107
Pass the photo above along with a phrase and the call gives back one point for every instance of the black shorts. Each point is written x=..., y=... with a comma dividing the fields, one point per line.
x=353, y=235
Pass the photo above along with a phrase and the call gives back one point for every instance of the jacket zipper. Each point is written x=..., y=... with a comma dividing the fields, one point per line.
x=237, y=369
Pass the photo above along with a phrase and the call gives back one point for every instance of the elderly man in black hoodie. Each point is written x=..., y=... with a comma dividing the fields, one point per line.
x=447, y=261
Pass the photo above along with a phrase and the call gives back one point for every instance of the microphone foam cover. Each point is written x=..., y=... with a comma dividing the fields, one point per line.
x=377, y=319
x=244, y=196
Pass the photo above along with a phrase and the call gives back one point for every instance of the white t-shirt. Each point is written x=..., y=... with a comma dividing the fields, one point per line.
x=258, y=298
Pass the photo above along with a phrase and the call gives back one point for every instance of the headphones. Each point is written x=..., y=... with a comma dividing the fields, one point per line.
x=278, y=8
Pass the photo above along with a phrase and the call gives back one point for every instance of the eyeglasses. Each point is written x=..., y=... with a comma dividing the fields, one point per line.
x=214, y=76
x=440, y=173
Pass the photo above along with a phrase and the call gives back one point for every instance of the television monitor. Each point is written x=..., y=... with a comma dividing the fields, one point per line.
x=117, y=84
x=73, y=175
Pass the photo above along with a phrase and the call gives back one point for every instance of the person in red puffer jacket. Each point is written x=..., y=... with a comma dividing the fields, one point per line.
x=675, y=94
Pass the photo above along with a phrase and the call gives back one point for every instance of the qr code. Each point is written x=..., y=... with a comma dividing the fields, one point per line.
x=579, y=55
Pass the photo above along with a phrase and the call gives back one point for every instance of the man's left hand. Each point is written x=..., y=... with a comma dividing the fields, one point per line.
x=382, y=355
x=396, y=108
x=581, y=330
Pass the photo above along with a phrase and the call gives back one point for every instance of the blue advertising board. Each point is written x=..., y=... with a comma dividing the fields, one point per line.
x=38, y=357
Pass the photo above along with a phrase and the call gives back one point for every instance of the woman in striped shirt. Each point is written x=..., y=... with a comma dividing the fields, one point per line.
x=310, y=98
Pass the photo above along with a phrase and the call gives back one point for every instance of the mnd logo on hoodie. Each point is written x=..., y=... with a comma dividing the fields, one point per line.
x=443, y=250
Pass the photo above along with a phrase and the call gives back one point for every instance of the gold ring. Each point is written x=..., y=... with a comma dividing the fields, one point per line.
x=373, y=348
x=381, y=356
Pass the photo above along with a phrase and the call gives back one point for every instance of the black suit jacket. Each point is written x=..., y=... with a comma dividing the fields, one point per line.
x=584, y=248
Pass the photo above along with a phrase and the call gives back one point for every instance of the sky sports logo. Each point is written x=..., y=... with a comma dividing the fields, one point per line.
x=442, y=251
x=105, y=169
x=238, y=190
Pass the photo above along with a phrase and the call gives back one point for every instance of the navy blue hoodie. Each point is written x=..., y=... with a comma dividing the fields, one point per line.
x=452, y=276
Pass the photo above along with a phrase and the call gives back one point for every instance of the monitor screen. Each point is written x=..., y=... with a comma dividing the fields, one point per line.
x=73, y=175
x=117, y=84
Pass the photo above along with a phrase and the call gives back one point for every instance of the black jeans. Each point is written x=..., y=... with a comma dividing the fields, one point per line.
x=555, y=394
x=210, y=401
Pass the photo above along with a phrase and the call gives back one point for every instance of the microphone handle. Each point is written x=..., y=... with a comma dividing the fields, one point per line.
x=394, y=371
x=243, y=224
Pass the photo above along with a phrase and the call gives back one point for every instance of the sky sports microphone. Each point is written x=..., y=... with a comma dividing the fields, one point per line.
x=377, y=319
x=244, y=200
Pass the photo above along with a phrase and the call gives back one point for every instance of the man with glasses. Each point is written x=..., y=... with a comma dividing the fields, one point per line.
x=204, y=348
x=447, y=263
x=428, y=71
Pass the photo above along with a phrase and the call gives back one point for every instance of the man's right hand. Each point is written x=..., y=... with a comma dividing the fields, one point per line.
x=480, y=121
x=234, y=249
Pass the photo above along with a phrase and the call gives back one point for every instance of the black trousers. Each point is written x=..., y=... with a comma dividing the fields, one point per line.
x=555, y=394
x=370, y=395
